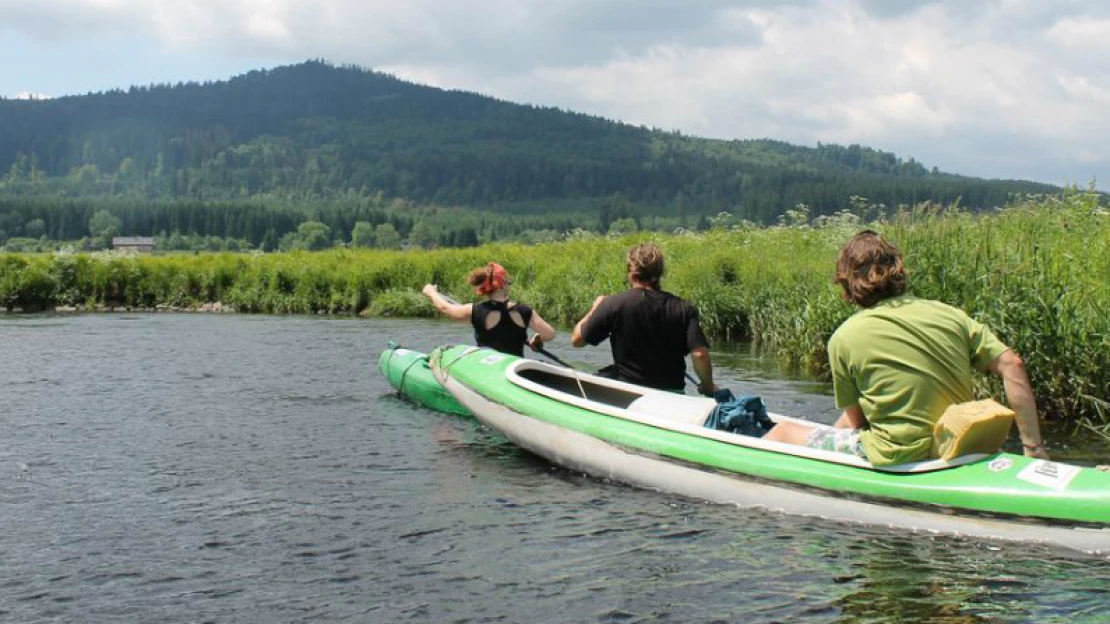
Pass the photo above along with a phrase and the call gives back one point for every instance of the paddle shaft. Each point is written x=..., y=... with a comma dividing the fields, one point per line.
x=554, y=358
x=449, y=299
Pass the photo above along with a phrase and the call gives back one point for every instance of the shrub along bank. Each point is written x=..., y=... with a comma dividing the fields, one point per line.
x=1037, y=272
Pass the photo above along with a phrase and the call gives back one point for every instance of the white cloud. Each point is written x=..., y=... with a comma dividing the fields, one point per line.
x=1082, y=88
x=1087, y=33
x=55, y=19
x=1006, y=88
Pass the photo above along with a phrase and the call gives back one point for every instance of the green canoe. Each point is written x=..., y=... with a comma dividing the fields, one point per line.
x=656, y=439
x=407, y=371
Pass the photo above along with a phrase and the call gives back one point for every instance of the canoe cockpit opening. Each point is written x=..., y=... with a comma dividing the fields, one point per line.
x=679, y=412
x=568, y=384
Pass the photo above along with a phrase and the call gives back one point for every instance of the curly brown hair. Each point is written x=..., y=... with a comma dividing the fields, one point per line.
x=870, y=269
x=645, y=264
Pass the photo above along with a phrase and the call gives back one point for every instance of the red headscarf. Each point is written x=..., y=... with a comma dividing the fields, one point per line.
x=496, y=278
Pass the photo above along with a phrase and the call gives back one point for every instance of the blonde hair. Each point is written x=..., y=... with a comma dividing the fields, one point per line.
x=645, y=264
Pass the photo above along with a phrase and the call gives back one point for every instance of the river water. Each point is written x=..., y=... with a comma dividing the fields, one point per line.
x=203, y=468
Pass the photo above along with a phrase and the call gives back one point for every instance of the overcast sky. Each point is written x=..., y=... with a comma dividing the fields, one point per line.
x=995, y=88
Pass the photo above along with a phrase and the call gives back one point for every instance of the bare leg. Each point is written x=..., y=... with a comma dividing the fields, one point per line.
x=790, y=433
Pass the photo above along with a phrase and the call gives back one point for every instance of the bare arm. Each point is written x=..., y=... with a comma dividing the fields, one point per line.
x=542, y=328
x=577, y=340
x=703, y=366
x=454, y=311
x=1019, y=393
x=851, y=418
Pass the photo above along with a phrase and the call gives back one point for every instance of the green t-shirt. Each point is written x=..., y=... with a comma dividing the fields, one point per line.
x=904, y=361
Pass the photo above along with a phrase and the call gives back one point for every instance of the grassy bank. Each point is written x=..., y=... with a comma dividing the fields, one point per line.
x=1037, y=272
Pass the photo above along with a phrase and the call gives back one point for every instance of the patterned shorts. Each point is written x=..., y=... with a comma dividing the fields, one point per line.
x=838, y=440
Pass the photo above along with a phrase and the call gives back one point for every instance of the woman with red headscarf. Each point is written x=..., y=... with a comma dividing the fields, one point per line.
x=498, y=323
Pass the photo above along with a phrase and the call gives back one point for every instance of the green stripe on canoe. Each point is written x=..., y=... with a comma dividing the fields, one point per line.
x=407, y=371
x=990, y=485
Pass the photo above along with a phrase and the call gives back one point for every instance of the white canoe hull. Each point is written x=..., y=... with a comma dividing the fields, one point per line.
x=600, y=459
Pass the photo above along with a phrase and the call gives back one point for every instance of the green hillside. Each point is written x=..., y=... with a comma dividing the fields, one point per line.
x=292, y=139
x=315, y=129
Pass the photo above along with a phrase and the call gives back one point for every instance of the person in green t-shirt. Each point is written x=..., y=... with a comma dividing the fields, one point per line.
x=900, y=361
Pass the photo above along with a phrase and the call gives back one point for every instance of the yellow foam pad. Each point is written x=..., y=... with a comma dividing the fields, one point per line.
x=972, y=427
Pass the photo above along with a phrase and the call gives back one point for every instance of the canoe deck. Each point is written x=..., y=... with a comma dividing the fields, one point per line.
x=676, y=412
x=666, y=426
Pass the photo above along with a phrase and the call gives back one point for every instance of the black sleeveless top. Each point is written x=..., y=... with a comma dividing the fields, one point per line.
x=506, y=336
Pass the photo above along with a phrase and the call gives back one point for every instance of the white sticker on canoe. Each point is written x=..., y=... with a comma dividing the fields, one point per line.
x=1000, y=464
x=492, y=359
x=1049, y=474
x=401, y=351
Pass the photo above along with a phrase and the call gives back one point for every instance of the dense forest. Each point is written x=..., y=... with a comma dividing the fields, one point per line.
x=32, y=223
x=262, y=153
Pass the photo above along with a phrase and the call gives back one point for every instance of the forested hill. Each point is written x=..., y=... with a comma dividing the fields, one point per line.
x=315, y=130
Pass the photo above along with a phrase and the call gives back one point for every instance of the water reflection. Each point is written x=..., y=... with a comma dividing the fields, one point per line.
x=258, y=469
x=897, y=583
x=920, y=579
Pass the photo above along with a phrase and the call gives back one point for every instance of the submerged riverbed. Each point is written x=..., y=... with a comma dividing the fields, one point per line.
x=191, y=468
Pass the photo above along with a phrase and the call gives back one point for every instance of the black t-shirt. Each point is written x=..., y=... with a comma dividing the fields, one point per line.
x=651, y=332
x=506, y=336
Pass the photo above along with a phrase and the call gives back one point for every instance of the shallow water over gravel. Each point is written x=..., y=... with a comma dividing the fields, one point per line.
x=203, y=468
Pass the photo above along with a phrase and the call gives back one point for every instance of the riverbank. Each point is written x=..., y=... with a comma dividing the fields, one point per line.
x=100, y=308
x=1037, y=272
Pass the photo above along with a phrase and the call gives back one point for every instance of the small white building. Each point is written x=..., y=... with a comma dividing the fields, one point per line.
x=140, y=244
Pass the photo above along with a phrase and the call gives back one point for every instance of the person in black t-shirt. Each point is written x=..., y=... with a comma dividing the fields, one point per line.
x=650, y=330
x=498, y=323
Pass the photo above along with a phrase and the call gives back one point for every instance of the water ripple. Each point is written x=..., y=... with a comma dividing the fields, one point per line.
x=258, y=469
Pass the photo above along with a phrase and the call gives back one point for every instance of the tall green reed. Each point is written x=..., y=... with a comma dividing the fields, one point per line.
x=1036, y=272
